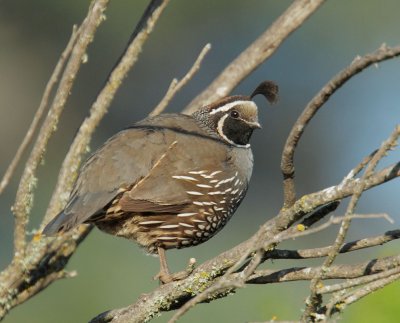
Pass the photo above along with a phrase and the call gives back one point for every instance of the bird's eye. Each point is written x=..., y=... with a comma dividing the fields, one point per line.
x=234, y=114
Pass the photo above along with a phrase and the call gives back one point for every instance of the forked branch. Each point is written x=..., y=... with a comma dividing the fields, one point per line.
x=357, y=66
x=44, y=259
x=254, y=55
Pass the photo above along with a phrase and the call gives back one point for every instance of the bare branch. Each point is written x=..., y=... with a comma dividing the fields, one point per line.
x=173, y=295
x=309, y=203
x=40, y=111
x=224, y=283
x=176, y=294
x=99, y=108
x=369, y=267
x=46, y=257
x=276, y=236
x=358, y=65
x=296, y=232
x=227, y=282
x=261, y=49
x=320, y=214
x=175, y=86
x=340, y=302
x=24, y=198
x=44, y=265
x=324, y=251
x=385, y=147
x=357, y=281
x=256, y=241
x=314, y=299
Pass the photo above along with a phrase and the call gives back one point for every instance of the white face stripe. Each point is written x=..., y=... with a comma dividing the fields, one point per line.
x=220, y=129
x=230, y=105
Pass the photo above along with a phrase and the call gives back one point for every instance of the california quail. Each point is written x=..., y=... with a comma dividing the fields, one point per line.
x=170, y=181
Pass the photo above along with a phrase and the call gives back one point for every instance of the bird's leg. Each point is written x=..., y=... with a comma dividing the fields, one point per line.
x=165, y=276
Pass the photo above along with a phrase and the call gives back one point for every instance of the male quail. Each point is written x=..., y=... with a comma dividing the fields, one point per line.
x=170, y=181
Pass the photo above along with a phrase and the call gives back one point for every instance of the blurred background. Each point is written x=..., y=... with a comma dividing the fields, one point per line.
x=113, y=272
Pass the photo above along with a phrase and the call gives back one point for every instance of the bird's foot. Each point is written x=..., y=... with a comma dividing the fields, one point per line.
x=165, y=277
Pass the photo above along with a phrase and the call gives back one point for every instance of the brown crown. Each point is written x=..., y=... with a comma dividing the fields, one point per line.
x=226, y=100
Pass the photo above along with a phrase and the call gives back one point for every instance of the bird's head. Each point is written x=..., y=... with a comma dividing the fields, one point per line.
x=234, y=118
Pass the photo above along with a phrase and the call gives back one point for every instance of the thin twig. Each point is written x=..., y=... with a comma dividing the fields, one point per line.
x=307, y=204
x=358, y=65
x=40, y=111
x=44, y=265
x=356, y=170
x=100, y=107
x=260, y=50
x=385, y=147
x=357, y=281
x=176, y=294
x=259, y=239
x=313, y=300
x=270, y=230
x=363, y=269
x=176, y=85
x=324, y=251
x=224, y=283
x=294, y=232
x=24, y=198
x=47, y=256
x=343, y=300
x=227, y=282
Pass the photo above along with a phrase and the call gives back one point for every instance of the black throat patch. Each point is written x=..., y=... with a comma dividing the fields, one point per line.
x=237, y=131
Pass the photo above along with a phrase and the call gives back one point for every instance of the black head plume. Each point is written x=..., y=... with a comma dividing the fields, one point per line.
x=268, y=89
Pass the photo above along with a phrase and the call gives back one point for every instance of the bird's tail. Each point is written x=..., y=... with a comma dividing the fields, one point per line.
x=58, y=224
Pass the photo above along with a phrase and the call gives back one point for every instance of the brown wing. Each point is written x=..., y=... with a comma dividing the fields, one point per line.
x=120, y=163
x=162, y=189
x=144, y=159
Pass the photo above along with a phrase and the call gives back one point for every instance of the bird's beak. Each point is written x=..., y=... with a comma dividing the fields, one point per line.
x=254, y=125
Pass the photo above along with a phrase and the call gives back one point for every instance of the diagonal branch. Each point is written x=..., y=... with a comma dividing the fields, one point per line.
x=46, y=258
x=324, y=251
x=325, y=199
x=314, y=299
x=340, y=301
x=358, y=281
x=227, y=282
x=175, y=86
x=175, y=294
x=40, y=111
x=357, y=66
x=100, y=107
x=260, y=50
x=366, y=268
x=24, y=198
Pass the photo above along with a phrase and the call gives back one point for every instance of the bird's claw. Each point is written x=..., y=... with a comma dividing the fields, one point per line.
x=166, y=277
